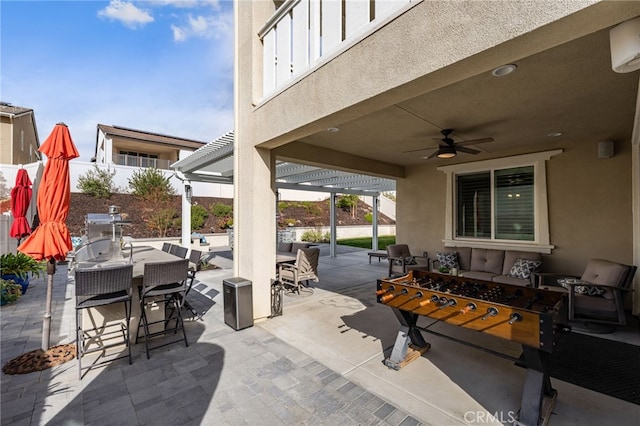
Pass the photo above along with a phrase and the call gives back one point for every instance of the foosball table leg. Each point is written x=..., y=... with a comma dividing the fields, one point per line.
x=403, y=353
x=538, y=397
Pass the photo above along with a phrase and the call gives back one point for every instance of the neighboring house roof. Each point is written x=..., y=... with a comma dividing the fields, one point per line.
x=140, y=135
x=8, y=110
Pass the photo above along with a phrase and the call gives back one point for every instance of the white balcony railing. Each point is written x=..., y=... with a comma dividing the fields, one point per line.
x=136, y=161
x=303, y=31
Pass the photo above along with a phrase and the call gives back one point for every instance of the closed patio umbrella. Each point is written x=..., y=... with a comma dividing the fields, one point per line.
x=20, y=200
x=51, y=239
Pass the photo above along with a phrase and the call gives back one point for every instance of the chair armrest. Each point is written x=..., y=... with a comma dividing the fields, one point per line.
x=435, y=264
x=287, y=266
x=424, y=257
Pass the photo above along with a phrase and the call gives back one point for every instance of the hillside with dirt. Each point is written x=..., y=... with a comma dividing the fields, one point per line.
x=139, y=213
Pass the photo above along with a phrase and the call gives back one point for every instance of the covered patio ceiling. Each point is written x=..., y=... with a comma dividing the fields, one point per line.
x=214, y=163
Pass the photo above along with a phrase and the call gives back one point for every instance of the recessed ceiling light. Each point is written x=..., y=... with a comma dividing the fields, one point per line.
x=503, y=70
x=333, y=129
x=554, y=134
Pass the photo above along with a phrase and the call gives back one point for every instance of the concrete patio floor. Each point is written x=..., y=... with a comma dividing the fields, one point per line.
x=318, y=363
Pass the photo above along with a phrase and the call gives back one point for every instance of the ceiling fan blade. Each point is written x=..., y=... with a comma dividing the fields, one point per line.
x=433, y=154
x=416, y=150
x=474, y=141
x=423, y=149
x=467, y=150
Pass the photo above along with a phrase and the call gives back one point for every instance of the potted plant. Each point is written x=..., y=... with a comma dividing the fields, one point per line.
x=9, y=291
x=18, y=267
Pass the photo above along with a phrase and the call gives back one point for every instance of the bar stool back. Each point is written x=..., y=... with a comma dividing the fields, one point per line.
x=101, y=287
x=166, y=282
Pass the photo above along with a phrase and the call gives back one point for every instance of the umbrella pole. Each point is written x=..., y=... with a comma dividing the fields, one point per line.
x=46, y=322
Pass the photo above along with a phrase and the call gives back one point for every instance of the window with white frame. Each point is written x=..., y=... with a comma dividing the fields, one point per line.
x=499, y=203
x=511, y=215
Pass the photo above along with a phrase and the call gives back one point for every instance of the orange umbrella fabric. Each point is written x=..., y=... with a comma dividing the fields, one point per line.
x=20, y=200
x=51, y=239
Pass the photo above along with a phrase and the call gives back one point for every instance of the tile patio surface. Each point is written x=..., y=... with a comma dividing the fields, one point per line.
x=318, y=363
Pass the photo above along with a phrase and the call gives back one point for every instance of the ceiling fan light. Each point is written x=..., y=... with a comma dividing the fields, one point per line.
x=446, y=152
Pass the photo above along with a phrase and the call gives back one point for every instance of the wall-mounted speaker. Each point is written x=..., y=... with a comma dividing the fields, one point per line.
x=605, y=149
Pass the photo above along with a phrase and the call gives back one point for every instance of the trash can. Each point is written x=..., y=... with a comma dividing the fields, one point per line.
x=238, y=303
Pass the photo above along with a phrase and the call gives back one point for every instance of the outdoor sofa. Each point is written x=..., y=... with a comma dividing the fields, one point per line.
x=500, y=266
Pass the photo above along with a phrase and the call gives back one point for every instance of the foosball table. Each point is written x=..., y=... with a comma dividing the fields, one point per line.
x=530, y=316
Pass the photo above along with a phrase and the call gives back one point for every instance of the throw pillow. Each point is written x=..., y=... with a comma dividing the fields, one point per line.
x=448, y=260
x=587, y=290
x=522, y=268
x=410, y=260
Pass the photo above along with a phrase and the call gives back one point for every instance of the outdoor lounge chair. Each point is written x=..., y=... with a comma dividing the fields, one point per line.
x=596, y=300
x=400, y=257
x=304, y=269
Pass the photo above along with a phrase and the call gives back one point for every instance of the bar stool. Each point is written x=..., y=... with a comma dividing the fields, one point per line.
x=100, y=287
x=194, y=257
x=166, y=282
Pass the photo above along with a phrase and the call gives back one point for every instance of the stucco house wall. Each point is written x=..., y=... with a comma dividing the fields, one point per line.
x=429, y=46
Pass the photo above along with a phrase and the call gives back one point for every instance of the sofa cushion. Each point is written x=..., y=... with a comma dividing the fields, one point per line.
x=522, y=268
x=487, y=260
x=447, y=260
x=510, y=257
x=505, y=279
x=464, y=256
x=587, y=290
x=605, y=273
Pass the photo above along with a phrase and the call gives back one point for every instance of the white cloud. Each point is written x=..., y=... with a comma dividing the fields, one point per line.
x=127, y=13
x=207, y=27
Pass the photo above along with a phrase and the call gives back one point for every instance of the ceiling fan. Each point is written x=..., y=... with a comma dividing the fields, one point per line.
x=448, y=148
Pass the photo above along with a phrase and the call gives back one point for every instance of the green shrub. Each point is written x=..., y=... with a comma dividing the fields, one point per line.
x=10, y=291
x=199, y=215
x=316, y=236
x=310, y=206
x=151, y=184
x=347, y=202
x=227, y=224
x=161, y=221
x=97, y=182
x=221, y=210
x=368, y=217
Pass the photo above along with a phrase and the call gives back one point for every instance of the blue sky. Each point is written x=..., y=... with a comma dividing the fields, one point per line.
x=163, y=66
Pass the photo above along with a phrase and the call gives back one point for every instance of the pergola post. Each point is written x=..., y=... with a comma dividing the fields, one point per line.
x=332, y=220
x=374, y=240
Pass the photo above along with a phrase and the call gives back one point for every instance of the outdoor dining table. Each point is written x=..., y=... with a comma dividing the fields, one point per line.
x=112, y=314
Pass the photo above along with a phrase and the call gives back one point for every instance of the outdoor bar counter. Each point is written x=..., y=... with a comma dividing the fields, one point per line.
x=113, y=314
